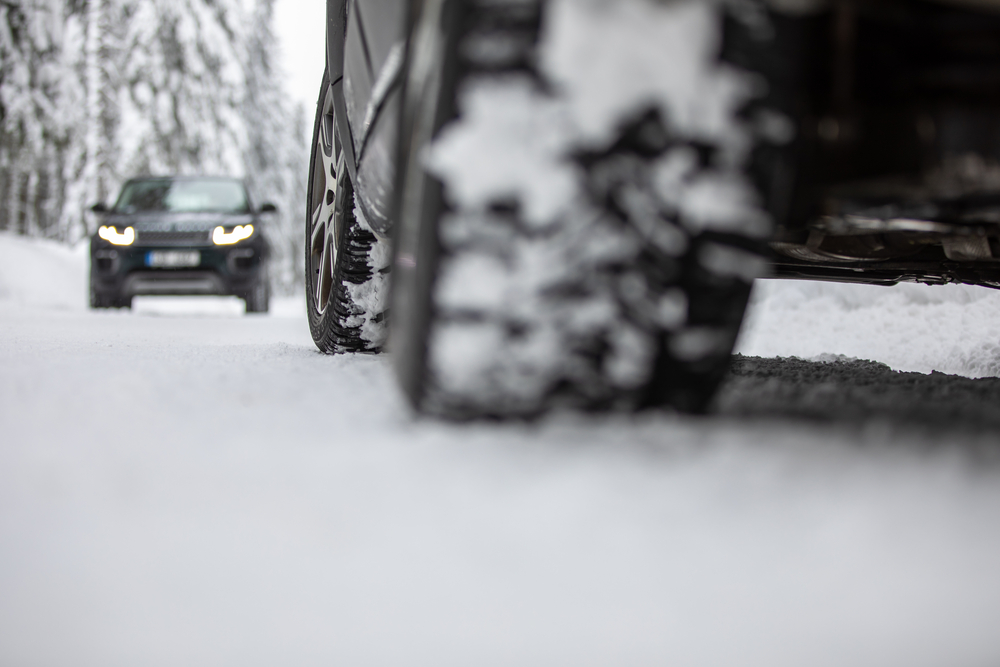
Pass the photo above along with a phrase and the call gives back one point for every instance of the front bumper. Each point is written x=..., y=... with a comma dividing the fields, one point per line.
x=221, y=270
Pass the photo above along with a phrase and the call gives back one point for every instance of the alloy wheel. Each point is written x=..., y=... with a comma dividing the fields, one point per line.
x=324, y=221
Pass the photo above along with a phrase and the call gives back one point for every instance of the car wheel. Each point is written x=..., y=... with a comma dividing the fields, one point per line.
x=560, y=244
x=258, y=299
x=347, y=265
x=99, y=300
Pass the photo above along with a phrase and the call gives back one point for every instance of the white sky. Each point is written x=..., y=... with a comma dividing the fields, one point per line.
x=299, y=24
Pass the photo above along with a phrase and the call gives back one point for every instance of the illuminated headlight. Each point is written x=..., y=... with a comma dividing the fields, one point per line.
x=111, y=235
x=221, y=237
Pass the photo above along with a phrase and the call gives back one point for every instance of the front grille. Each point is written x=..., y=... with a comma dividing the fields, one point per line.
x=172, y=238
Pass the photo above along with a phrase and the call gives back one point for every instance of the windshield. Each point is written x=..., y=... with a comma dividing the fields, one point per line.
x=209, y=195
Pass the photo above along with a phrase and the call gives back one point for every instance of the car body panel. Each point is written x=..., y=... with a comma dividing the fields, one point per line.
x=357, y=80
x=383, y=22
x=365, y=47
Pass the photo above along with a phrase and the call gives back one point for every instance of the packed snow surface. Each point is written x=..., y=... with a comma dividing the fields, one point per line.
x=182, y=484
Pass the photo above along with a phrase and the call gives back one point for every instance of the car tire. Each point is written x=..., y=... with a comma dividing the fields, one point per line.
x=624, y=299
x=258, y=299
x=98, y=301
x=347, y=265
x=102, y=301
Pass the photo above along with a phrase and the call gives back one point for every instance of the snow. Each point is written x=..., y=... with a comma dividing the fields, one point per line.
x=37, y=273
x=698, y=96
x=183, y=485
x=947, y=328
x=372, y=295
x=526, y=137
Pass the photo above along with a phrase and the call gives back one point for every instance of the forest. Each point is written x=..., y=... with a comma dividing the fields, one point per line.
x=93, y=92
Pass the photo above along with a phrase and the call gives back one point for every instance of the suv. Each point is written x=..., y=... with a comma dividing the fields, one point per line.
x=180, y=235
x=580, y=193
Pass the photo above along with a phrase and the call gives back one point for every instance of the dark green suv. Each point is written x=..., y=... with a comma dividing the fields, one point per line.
x=180, y=236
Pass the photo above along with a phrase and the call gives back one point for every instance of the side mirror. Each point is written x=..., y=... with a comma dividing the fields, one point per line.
x=268, y=207
x=99, y=207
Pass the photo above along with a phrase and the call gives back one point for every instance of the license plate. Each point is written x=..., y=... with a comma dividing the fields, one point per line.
x=173, y=258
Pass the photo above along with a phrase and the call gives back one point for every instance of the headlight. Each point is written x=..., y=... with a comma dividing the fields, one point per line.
x=111, y=235
x=240, y=232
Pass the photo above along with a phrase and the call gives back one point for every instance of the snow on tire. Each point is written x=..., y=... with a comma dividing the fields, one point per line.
x=577, y=223
x=347, y=265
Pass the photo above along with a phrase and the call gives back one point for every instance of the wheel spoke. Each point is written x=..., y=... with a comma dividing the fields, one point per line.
x=325, y=126
x=326, y=150
x=318, y=224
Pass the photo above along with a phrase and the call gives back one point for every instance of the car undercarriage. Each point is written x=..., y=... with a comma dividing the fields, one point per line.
x=894, y=171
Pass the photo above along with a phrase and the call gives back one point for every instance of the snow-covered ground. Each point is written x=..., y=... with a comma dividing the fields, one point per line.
x=182, y=484
x=950, y=329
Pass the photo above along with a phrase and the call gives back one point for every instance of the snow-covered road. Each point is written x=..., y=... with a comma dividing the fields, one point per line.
x=185, y=485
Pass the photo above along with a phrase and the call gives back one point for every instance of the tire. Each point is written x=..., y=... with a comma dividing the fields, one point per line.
x=102, y=301
x=258, y=299
x=98, y=301
x=347, y=265
x=625, y=291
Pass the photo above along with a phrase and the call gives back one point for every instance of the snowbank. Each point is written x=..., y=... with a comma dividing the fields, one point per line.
x=41, y=273
x=952, y=329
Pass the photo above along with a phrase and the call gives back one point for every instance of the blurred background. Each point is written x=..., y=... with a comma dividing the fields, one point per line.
x=93, y=92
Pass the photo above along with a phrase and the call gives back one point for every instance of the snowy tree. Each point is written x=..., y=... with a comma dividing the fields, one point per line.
x=40, y=112
x=181, y=84
x=275, y=154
